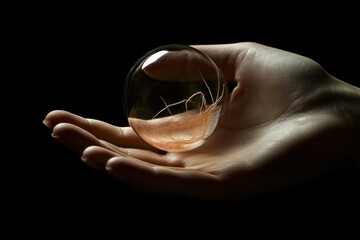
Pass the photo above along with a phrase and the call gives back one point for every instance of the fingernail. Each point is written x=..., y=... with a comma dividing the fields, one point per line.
x=47, y=123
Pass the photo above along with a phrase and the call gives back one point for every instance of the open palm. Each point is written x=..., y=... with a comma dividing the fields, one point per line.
x=283, y=124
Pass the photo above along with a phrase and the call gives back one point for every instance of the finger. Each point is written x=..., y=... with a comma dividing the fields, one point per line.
x=100, y=156
x=76, y=138
x=226, y=56
x=254, y=61
x=97, y=157
x=123, y=136
x=164, y=179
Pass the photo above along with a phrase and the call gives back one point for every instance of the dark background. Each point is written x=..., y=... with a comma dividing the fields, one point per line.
x=76, y=58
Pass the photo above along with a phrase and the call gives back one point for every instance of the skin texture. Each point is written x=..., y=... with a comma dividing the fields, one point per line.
x=287, y=120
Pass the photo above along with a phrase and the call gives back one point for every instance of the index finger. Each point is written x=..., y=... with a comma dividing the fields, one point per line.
x=119, y=136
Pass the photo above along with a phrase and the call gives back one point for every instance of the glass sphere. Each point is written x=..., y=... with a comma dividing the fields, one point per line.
x=174, y=97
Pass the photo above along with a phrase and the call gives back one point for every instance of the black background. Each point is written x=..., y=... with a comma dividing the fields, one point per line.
x=76, y=58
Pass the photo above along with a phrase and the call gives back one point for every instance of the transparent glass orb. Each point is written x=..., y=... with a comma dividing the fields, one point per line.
x=174, y=96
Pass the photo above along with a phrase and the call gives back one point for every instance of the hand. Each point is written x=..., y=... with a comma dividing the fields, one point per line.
x=287, y=120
